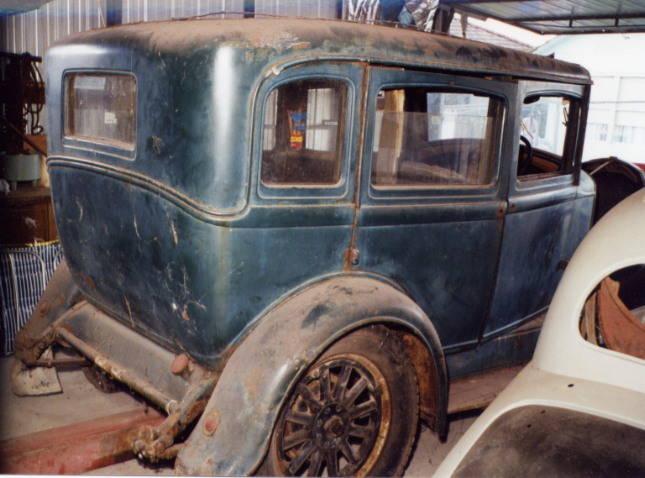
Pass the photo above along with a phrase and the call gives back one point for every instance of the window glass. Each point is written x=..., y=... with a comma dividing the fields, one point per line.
x=545, y=123
x=427, y=138
x=101, y=107
x=302, y=139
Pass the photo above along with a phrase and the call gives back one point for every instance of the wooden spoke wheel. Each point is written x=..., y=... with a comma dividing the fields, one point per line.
x=353, y=413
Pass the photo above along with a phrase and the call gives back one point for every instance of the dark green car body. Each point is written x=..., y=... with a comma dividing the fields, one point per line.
x=181, y=216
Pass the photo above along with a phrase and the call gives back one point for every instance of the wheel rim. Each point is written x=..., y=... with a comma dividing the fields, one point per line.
x=336, y=420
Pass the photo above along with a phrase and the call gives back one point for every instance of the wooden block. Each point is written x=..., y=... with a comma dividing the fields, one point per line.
x=75, y=448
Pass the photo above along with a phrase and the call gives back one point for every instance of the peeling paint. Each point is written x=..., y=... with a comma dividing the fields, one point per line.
x=127, y=304
x=175, y=239
x=184, y=313
x=80, y=210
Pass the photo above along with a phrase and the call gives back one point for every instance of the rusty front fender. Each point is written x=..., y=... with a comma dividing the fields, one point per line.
x=232, y=436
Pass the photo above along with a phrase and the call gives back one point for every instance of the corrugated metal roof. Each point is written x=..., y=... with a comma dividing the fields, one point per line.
x=560, y=16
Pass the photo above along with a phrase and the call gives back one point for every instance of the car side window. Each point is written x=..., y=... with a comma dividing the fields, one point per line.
x=302, y=133
x=547, y=123
x=428, y=137
x=101, y=108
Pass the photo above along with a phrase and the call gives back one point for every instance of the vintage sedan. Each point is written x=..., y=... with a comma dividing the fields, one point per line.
x=577, y=408
x=294, y=231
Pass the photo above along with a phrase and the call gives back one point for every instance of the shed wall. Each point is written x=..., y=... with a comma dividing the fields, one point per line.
x=36, y=30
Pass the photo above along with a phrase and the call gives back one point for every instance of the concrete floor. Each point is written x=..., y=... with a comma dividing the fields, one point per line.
x=23, y=415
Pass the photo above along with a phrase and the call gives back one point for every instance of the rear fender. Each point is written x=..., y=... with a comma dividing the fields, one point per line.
x=232, y=436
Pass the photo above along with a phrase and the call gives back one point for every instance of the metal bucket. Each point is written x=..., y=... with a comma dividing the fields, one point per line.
x=17, y=168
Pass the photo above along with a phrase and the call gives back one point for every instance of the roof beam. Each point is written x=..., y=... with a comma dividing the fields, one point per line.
x=580, y=29
x=546, y=24
x=566, y=18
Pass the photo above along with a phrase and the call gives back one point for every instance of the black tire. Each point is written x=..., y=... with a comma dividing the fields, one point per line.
x=353, y=413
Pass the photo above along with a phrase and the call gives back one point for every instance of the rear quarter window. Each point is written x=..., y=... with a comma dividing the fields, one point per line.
x=101, y=108
x=303, y=129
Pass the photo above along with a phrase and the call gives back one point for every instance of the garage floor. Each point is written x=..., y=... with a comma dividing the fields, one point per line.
x=80, y=401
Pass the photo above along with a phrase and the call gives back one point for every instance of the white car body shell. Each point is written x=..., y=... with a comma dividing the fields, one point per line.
x=567, y=371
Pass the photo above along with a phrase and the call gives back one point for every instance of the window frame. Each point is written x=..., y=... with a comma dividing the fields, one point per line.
x=336, y=153
x=383, y=77
x=497, y=128
x=341, y=72
x=113, y=148
x=570, y=145
x=550, y=183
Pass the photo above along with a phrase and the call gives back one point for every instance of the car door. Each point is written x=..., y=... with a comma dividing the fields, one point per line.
x=433, y=192
x=548, y=212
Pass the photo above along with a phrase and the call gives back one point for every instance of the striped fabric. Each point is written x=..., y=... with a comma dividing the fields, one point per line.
x=24, y=273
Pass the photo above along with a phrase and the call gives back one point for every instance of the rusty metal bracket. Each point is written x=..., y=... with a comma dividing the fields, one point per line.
x=158, y=443
x=30, y=349
x=152, y=443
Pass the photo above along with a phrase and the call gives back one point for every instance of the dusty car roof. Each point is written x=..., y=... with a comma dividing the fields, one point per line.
x=285, y=39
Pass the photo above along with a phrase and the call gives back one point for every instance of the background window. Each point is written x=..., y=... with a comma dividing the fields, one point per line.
x=618, y=102
x=427, y=138
x=598, y=131
x=302, y=139
x=101, y=107
x=629, y=134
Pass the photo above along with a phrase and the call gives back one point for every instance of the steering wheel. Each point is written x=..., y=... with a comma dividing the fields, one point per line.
x=526, y=159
